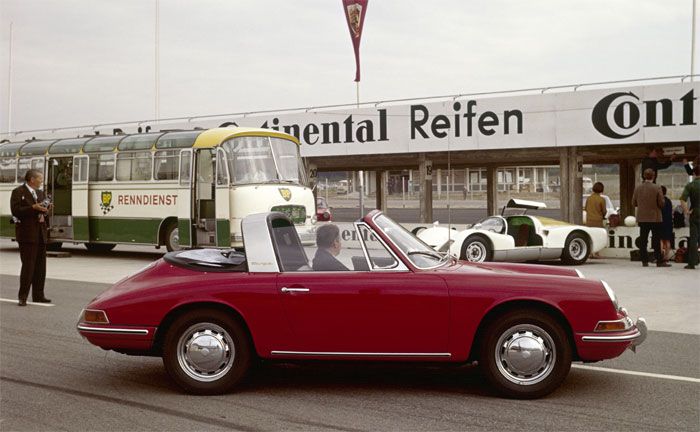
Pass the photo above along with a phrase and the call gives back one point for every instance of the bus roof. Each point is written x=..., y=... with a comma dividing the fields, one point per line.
x=214, y=137
x=94, y=144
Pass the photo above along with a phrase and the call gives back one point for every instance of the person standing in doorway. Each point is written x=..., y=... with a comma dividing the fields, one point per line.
x=649, y=200
x=666, y=226
x=691, y=193
x=31, y=213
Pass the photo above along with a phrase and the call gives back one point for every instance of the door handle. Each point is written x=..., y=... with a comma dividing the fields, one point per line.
x=286, y=290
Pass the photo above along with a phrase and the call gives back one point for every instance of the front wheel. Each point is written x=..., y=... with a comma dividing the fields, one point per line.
x=576, y=249
x=172, y=238
x=525, y=354
x=206, y=352
x=476, y=249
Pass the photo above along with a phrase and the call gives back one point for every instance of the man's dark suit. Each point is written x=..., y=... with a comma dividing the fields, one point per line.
x=324, y=261
x=32, y=236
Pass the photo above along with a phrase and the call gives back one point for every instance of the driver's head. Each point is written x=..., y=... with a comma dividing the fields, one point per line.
x=328, y=237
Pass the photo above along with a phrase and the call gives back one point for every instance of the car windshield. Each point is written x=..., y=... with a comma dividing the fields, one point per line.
x=420, y=254
x=261, y=159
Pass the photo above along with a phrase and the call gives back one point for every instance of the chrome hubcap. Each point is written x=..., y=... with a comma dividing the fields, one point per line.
x=578, y=248
x=175, y=239
x=525, y=354
x=476, y=252
x=205, y=352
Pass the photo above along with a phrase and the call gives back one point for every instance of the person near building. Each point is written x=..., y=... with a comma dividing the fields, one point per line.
x=691, y=193
x=28, y=206
x=666, y=235
x=649, y=200
x=595, y=209
x=653, y=163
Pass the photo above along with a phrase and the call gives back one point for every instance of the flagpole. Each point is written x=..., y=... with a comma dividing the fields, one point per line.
x=361, y=172
x=9, y=87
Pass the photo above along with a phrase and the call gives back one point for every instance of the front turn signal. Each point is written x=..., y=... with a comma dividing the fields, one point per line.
x=94, y=316
x=611, y=326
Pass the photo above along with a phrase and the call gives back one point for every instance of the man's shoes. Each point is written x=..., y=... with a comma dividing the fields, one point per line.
x=645, y=264
x=22, y=303
x=689, y=267
x=663, y=264
x=42, y=300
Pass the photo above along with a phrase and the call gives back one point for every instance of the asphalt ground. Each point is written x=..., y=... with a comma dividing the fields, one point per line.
x=51, y=379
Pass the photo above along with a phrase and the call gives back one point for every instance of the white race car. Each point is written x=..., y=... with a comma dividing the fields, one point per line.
x=515, y=236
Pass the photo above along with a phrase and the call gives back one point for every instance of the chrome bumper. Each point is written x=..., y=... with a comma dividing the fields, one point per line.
x=637, y=338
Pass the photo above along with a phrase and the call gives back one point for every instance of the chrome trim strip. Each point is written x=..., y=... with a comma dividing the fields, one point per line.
x=359, y=354
x=399, y=267
x=633, y=336
x=89, y=329
x=406, y=257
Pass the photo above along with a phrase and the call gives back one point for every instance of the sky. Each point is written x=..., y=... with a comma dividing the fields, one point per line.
x=85, y=62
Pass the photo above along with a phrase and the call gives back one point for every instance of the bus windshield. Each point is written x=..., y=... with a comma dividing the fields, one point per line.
x=260, y=159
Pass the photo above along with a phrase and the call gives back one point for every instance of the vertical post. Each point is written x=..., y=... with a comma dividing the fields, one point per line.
x=491, y=190
x=564, y=183
x=426, y=189
x=157, y=61
x=627, y=179
x=571, y=195
x=361, y=176
x=439, y=183
x=382, y=179
x=692, y=42
x=9, y=86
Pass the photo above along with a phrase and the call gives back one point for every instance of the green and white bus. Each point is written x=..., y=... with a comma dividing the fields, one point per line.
x=173, y=188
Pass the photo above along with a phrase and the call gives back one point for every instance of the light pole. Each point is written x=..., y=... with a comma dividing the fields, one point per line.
x=692, y=42
x=157, y=61
x=9, y=86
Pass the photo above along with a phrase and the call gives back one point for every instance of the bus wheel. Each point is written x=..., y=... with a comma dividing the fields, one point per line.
x=54, y=246
x=172, y=238
x=99, y=247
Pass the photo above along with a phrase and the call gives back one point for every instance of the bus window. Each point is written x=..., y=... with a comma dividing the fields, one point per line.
x=138, y=142
x=22, y=166
x=185, y=167
x=178, y=139
x=221, y=167
x=102, y=167
x=7, y=170
x=288, y=161
x=134, y=166
x=251, y=160
x=165, y=164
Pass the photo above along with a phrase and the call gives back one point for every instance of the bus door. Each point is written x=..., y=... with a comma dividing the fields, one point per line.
x=185, y=200
x=79, y=199
x=223, y=201
x=205, y=197
x=59, y=186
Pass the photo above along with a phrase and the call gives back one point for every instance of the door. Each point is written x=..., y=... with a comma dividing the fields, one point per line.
x=364, y=313
x=185, y=204
x=79, y=199
x=528, y=244
x=222, y=201
x=205, y=197
x=59, y=187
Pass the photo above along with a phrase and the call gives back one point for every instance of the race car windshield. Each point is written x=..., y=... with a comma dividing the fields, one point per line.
x=261, y=159
x=420, y=254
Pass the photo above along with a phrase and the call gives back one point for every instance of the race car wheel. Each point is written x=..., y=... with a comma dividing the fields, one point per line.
x=476, y=249
x=525, y=354
x=206, y=352
x=576, y=249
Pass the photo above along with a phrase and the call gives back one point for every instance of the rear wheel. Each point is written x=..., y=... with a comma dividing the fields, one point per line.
x=172, y=238
x=476, y=249
x=206, y=352
x=576, y=249
x=525, y=354
x=99, y=247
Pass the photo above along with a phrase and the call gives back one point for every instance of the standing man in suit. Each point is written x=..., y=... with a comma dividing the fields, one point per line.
x=328, y=242
x=26, y=203
x=649, y=200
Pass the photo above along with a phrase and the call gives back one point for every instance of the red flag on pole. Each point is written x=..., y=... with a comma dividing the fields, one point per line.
x=355, y=16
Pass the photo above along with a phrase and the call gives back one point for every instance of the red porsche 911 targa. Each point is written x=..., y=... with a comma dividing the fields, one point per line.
x=210, y=313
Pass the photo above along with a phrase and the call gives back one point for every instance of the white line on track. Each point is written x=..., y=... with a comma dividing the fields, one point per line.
x=644, y=374
x=28, y=303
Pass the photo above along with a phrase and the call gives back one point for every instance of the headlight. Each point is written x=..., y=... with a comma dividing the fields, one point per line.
x=611, y=294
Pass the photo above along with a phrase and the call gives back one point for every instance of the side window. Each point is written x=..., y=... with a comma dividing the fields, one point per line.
x=7, y=170
x=221, y=175
x=290, y=252
x=133, y=166
x=165, y=164
x=101, y=167
x=185, y=167
x=379, y=257
x=22, y=166
x=80, y=169
x=494, y=224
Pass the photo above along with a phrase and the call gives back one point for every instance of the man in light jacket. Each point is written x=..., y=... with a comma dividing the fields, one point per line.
x=649, y=199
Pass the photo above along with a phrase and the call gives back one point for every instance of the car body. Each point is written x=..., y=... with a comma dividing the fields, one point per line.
x=518, y=237
x=210, y=313
x=323, y=211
